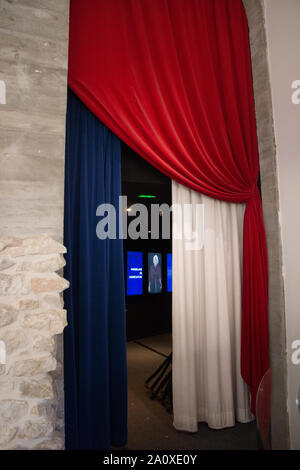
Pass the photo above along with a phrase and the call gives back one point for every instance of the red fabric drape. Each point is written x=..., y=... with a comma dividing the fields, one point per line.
x=172, y=78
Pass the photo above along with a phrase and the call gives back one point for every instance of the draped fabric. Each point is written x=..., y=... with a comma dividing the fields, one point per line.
x=94, y=340
x=172, y=78
x=206, y=310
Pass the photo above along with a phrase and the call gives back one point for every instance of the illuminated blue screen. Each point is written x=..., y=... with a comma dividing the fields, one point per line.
x=169, y=272
x=134, y=272
x=154, y=273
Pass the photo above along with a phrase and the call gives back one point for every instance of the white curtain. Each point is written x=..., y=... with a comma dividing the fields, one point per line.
x=207, y=383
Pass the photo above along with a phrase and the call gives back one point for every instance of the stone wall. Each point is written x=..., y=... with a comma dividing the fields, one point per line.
x=31, y=315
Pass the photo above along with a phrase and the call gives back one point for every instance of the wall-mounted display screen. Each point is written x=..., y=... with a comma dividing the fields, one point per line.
x=169, y=272
x=134, y=273
x=154, y=273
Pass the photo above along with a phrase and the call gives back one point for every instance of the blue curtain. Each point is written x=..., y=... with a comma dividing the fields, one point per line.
x=94, y=340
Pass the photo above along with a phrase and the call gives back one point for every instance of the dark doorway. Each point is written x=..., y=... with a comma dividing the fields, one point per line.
x=147, y=313
x=149, y=326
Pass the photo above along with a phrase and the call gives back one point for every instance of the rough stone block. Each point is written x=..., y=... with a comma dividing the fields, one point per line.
x=28, y=304
x=12, y=284
x=34, y=245
x=6, y=263
x=57, y=373
x=52, y=321
x=31, y=367
x=6, y=386
x=9, y=242
x=52, y=283
x=43, y=344
x=12, y=410
x=36, y=429
x=7, y=434
x=56, y=443
x=53, y=300
x=50, y=264
x=15, y=339
x=8, y=314
x=41, y=387
x=45, y=409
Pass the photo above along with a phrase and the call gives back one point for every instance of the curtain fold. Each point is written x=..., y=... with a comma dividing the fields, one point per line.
x=172, y=78
x=94, y=340
x=206, y=310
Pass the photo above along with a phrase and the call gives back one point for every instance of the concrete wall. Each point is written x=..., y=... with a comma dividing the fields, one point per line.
x=269, y=185
x=33, y=67
x=283, y=39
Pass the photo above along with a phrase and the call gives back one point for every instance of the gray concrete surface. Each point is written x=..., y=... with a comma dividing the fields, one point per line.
x=269, y=184
x=33, y=65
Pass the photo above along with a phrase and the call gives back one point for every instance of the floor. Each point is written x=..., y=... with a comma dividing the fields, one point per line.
x=150, y=425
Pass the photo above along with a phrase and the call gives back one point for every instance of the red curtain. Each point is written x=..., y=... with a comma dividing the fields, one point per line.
x=172, y=78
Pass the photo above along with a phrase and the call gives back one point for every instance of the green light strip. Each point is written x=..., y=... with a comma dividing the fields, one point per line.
x=149, y=196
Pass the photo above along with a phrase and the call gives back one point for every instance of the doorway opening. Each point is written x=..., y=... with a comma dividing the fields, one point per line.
x=149, y=326
x=148, y=313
